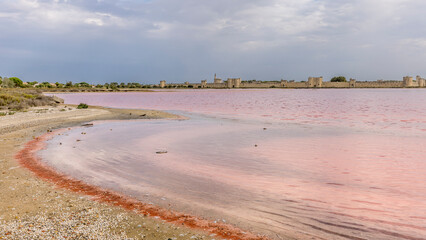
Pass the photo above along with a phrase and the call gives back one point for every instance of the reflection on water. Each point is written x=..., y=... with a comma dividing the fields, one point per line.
x=376, y=109
x=335, y=177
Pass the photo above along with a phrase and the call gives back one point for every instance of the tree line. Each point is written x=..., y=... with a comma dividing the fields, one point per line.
x=14, y=82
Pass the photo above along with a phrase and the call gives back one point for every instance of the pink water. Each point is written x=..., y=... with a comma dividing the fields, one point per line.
x=321, y=164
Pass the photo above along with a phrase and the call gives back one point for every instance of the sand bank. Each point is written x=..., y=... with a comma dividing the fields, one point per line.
x=33, y=208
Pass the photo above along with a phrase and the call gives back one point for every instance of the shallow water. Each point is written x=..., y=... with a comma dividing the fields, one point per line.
x=331, y=164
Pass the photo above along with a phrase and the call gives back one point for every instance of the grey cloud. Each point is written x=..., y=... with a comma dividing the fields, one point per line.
x=146, y=41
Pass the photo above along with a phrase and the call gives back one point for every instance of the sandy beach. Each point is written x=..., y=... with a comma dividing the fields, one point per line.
x=31, y=208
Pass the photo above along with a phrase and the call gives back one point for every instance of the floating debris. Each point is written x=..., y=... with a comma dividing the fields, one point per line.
x=161, y=152
x=87, y=125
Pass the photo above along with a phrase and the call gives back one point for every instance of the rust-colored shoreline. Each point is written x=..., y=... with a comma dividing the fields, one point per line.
x=28, y=158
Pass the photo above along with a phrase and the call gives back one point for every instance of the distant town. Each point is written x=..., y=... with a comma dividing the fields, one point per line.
x=311, y=82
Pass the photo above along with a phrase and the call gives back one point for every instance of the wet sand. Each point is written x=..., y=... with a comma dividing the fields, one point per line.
x=29, y=159
x=31, y=208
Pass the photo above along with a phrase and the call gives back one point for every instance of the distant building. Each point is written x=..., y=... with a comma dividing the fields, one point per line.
x=234, y=82
x=407, y=81
x=315, y=82
x=217, y=80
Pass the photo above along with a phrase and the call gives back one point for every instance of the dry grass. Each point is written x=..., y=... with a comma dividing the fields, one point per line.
x=19, y=99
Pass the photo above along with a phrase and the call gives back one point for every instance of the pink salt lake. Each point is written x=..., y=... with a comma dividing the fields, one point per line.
x=321, y=164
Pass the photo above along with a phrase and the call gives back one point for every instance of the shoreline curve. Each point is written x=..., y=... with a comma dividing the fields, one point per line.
x=27, y=158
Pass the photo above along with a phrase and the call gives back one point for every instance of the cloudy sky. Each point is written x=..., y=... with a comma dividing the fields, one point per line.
x=188, y=40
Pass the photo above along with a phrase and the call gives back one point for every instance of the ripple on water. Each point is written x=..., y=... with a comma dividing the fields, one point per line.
x=324, y=168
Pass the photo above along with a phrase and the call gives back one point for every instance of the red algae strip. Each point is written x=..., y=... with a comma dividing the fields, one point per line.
x=27, y=158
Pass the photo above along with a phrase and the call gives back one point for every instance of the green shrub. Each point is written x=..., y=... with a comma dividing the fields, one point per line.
x=17, y=82
x=338, y=79
x=83, y=84
x=44, y=85
x=82, y=106
x=29, y=96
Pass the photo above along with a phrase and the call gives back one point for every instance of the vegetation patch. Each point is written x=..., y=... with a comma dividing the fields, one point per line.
x=20, y=99
x=82, y=106
x=338, y=79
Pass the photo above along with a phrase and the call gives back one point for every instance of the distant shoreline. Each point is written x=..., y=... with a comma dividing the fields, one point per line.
x=312, y=82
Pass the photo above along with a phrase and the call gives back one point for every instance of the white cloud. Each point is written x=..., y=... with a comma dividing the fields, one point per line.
x=297, y=34
x=160, y=30
x=94, y=21
x=255, y=20
x=414, y=42
x=55, y=15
